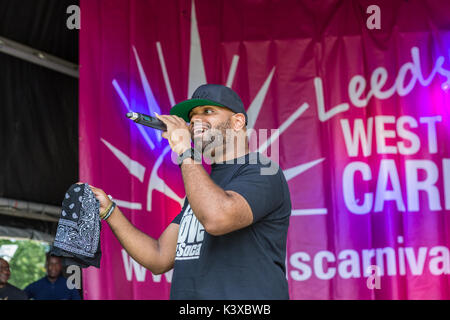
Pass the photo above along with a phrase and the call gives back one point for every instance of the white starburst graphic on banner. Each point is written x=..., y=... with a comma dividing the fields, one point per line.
x=196, y=77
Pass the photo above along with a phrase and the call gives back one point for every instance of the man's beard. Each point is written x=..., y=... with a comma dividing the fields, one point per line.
x=213, y=142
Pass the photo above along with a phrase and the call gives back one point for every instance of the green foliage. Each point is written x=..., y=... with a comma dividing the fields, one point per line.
x=28, y=262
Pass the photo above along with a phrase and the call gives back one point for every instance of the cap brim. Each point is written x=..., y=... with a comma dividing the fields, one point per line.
x=182, y=109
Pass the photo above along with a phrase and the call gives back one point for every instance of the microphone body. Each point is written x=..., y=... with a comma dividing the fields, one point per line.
x=147, y=120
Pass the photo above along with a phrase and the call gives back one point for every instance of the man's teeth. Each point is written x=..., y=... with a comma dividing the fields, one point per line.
x=200, y=130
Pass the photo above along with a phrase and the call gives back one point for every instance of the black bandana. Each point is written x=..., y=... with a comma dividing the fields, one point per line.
x=78, y=235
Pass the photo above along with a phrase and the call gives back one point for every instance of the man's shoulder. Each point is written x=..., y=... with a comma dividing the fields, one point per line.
x=16, y=292
x=37, y=283
x=12, y=287
x=258, y=163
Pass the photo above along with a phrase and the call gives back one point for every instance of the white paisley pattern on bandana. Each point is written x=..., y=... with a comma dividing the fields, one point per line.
x=79, y=230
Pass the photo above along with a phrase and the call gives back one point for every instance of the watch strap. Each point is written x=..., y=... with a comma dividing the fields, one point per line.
x=189, y=153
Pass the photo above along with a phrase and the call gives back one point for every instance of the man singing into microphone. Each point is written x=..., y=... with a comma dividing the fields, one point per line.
x=229, y=240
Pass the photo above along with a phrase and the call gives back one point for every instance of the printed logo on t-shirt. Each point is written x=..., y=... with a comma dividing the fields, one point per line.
x=190, y=236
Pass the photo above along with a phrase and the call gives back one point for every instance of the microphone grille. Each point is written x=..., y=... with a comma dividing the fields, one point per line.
x=132, y=115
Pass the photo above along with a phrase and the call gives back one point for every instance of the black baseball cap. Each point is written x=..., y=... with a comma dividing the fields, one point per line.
x=210, y=95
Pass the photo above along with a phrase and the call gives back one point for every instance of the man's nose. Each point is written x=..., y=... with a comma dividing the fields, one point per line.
x=195, y=122
x=196, y=117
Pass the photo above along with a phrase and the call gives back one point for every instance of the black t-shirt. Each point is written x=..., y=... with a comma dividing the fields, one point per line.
x=10, y=292
x=245, y=264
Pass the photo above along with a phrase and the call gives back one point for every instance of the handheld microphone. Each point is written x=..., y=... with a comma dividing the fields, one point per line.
x=147, y=121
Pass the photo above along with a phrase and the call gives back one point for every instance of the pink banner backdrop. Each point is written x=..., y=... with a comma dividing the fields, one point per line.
x=363, y=131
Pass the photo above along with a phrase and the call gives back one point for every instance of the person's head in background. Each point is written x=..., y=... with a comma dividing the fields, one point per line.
x=54, y=267
x=5, y=272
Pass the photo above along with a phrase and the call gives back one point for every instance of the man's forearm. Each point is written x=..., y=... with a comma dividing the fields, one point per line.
x=141, y=247
x=207, y=200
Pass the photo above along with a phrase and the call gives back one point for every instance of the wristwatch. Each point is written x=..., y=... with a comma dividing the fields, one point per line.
x=189, y=153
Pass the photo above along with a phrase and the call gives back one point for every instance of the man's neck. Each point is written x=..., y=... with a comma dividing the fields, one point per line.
x=52, y=280
x=236, y=147
x=2, y=285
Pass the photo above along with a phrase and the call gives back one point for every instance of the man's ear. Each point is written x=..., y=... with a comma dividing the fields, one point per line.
x=238, y=121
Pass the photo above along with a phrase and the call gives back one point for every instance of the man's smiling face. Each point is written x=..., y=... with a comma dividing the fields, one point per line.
x=4, y=272
x=207, y=124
